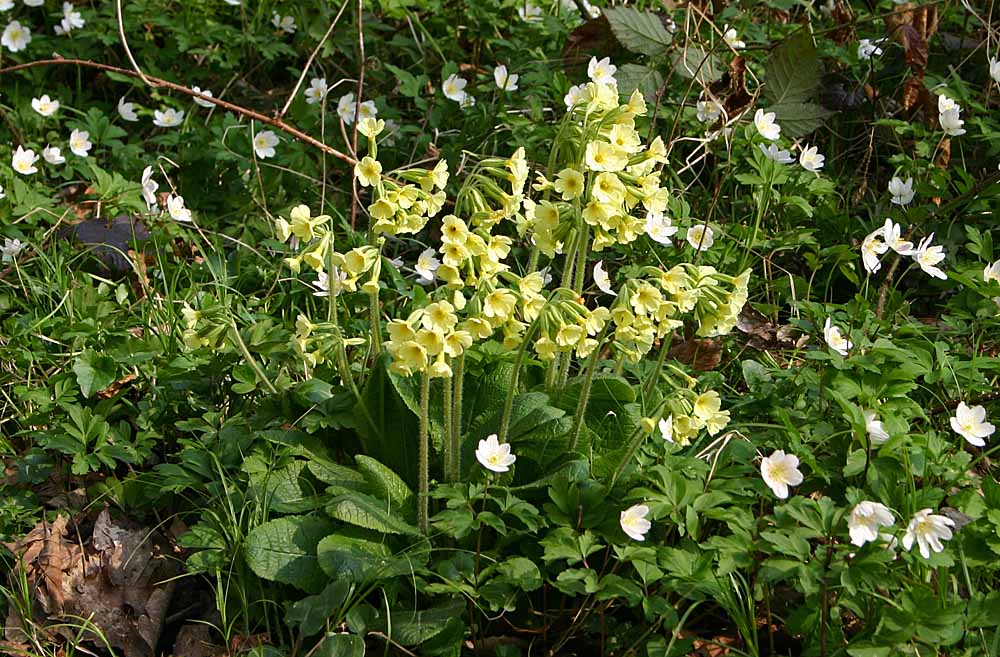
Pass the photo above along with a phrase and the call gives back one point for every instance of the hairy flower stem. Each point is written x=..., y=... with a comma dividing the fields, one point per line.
x=762, y=206
x=423, y=504
x=508, y=404
x=581, y=259
x=581, y=404
x=376, y=324
x=633, y=446
x=449, y=446
x=458, y=381
x=234, y=332
x=654, y=376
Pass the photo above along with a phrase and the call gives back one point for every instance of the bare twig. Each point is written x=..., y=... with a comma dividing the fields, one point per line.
x=159, y=82
x=312, y=56
x=128, y=51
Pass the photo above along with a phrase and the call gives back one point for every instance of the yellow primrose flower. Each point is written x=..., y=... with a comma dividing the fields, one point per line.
x=454, y=230
x=383, y=209
x=371, y=127
x=636, y=104
x=608, y=189
x=283, y=229
x=440, y=369
x=707, y=404
x=454, y=254
x=596, y=213
x=432, y=341
x=717, y=422
x=498, y=248
x=625, y=138
x=456, y=342
x=479, y=327
x=450, y=275
x=646, y=299
x=657, y=151
x=569, y=183
x=569, y=335
x=303, y=225
x=400, y=331
x=368, y=171
x=546, y=348
x=439, y=316
x=499, y=304
x=602, y=156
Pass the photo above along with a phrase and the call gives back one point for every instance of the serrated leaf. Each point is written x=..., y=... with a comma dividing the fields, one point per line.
x=281, y=489
x=639, y=31
x=634, y=76
x=692, y=62
x=793, y=77
x=386, y=484
x=365, y=511
x=284, y=550
x=341, y=645
x=337, y=475
x=312, y=612
x=94, y=372
x=352, y=559
x=412, y=628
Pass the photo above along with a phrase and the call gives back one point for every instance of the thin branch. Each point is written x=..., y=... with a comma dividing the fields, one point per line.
x=312, y=56
x=159, y=82
x=128, y=51
x=357, y=112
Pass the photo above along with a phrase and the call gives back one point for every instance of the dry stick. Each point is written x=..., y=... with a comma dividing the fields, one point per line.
x=159, y=82
x=357, y=113
x=128, y=51
x=312, y=56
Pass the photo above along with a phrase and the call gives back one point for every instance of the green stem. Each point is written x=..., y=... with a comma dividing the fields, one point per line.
x=655, y=375
x=251, y=361
x=376, y=324
x=456, y=412
x=581, y=404
x=449, y=446
x=581, y=258
x=508, y=405
x=423, y=504
x=633, y=446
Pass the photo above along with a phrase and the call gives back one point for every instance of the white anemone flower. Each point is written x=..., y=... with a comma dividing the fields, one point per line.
x=23, y=161
x=633, y=522
x=505, y=80
x=810, y=159
x=928, y=530
x=168, y=118
x=865, y=521
x=901, y=190
x=45, y=106
x=708, y=110
x=892, y=233
x=202, y=94
x=601, y=71
x=79, y=143
x=871, y=248
x=928, y=257
x=453, y=88
x=264, y=143
x=149, y=187
x=868, y=49
x=602, y=280
x=875, y=429
x=529, y=13
x=126, y=110
x=427, y=265
x=16, y=37
x=53, y=155
x=493, y=455
x=284, y=23
x=995, y=69
x=177, y=210
x=992, y=272
x=346, y=108
x=779, y=471
x=658, y=227
x=10, y=249
x=666, y=427
x=766, y=125
x=971, y=424
x=71, y=20
x=732, y=38
x=775, y=154
x=701, y=237
x=836, y=339
x=317, y=91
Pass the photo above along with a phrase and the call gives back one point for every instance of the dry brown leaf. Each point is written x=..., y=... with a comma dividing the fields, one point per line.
x=701, y=354
x=763, y=334
x=116, y=387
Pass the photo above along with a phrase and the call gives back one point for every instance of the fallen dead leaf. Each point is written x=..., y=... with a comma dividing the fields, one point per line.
x=119, y=579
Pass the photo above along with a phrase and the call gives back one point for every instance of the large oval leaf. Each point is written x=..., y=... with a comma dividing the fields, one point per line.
x=284, y=550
